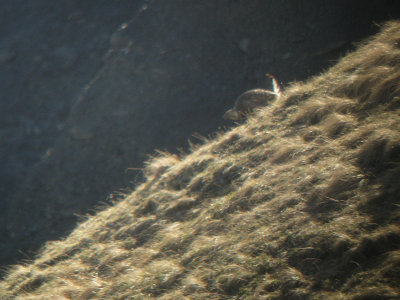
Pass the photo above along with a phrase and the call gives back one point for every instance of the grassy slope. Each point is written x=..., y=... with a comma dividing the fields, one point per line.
x=301, y=201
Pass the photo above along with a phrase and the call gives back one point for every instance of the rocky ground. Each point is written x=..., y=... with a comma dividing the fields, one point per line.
x=88, y=90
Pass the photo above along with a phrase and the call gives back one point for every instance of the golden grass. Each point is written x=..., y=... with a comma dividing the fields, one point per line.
x=299, y=202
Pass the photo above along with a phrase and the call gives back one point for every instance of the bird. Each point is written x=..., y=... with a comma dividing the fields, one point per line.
x=247, y=102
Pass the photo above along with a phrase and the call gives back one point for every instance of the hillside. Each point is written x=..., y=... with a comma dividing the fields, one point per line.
x=299, y=202
x=88, y=91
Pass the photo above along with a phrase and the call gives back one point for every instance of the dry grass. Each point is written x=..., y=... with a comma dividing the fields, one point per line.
x=299, y=202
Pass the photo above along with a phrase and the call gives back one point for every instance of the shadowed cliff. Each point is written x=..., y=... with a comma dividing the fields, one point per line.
x=301, y=201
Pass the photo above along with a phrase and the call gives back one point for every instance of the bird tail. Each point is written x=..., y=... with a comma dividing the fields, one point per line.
x=275, y=84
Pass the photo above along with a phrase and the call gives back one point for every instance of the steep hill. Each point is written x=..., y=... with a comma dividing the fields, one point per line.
x=86, y=92
x=301, y=201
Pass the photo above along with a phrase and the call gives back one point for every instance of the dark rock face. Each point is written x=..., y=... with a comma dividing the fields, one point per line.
x=82, y=101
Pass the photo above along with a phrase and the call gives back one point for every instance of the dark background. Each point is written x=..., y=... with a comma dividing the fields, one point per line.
x=89, y=88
